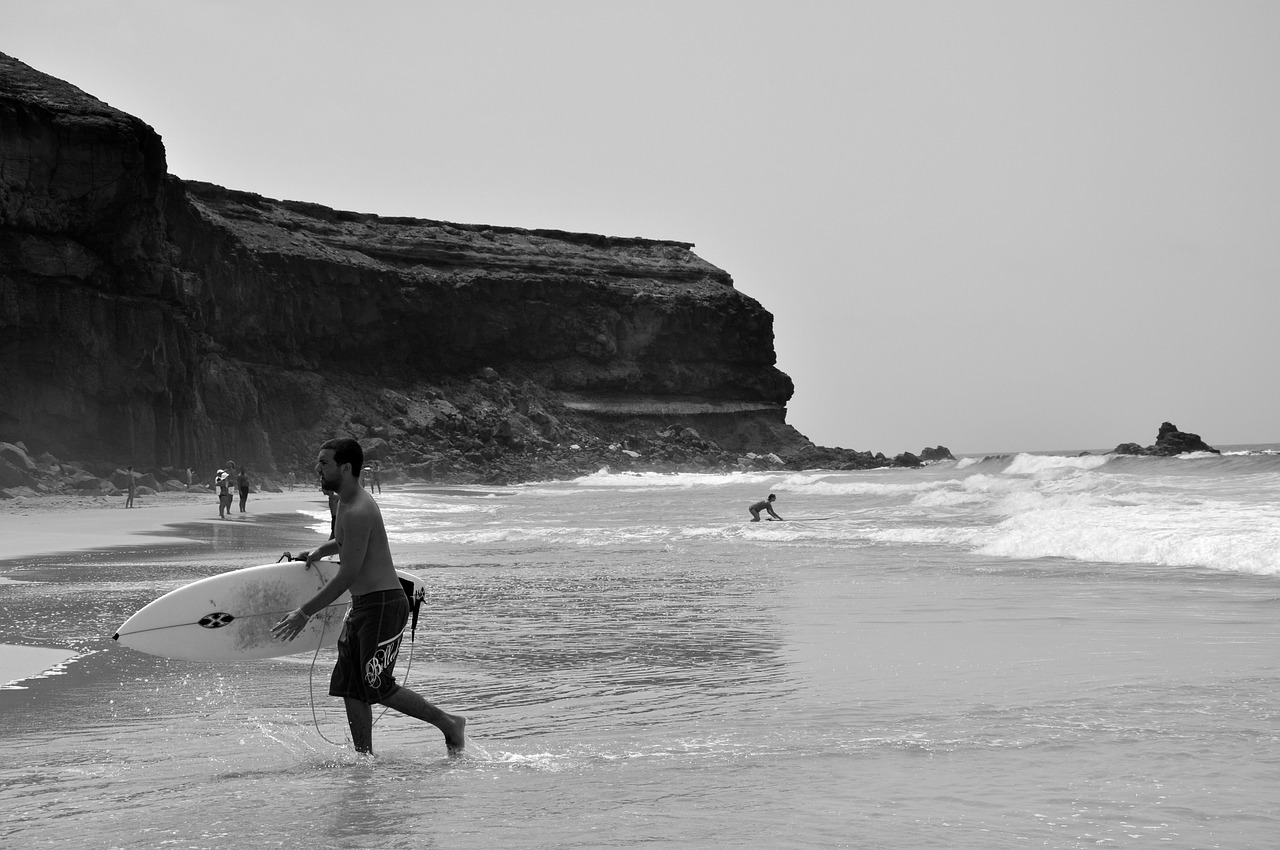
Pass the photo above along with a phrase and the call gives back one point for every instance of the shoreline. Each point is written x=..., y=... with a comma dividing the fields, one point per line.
x=51, y=525
x=45, y=526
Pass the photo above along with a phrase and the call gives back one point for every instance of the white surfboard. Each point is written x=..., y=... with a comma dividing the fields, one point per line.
x=228, y=617
x=793, y=519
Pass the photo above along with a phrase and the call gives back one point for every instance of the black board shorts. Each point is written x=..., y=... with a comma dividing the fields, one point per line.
x=369, y=646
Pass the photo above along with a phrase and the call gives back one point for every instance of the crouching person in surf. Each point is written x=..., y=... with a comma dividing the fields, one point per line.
x=764, y=505
x=370, y=639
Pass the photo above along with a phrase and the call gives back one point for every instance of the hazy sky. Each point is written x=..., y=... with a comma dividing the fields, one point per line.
x=991, y=225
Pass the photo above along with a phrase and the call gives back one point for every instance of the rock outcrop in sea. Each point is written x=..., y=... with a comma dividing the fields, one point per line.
x=166, y=324
x=1169, y=442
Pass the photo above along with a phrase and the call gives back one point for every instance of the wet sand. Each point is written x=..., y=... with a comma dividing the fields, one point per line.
x=51, y=525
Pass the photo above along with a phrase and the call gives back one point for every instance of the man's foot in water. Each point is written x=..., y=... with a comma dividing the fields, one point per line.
x=453, y=726
x=455, y=738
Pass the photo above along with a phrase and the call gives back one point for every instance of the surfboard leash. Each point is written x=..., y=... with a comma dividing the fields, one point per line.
x=311, y=684
x=415, y=606
x=311, y=671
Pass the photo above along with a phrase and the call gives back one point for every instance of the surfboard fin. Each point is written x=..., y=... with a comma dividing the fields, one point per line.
x=415, y=604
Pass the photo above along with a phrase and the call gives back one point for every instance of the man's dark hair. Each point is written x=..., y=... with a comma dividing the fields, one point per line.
x=347, y=450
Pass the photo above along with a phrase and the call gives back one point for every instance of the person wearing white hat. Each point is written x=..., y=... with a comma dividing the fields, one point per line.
x=223, y=482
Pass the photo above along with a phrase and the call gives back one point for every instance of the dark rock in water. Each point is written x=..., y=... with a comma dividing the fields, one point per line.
x=1169, y=442
x=825, y=457
x=936, y=453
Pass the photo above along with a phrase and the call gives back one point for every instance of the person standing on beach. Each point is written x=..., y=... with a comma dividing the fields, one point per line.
x=133, y=489
x=370, y=640
x=764, y=505
x=371, y=474
x=223, y=483
x=242, y=484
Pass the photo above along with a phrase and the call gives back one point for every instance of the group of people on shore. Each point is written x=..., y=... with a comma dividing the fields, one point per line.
x=223, y=484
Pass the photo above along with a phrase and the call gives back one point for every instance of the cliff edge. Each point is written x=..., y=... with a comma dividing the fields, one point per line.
x=158, y=322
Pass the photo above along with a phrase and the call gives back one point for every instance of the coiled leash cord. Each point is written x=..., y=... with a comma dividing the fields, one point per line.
x=415, y=604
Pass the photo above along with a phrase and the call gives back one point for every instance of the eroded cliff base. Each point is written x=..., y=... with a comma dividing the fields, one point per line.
x=170, y=325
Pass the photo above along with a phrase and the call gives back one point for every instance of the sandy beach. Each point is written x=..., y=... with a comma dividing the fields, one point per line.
x=47, y=525
x=50, y=525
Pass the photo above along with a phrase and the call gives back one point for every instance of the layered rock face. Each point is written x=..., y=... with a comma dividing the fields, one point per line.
x=161, y=322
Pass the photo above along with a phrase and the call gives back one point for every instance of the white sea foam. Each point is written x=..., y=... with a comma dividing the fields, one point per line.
x=441, y=508
x=977, y=489
x=953, y=536
x=1026, y=464
x=539, y=490
x=1072, y=508
x=604, y=479
x=1218, y=515
x=1041, y=527
x=949, y=498
x=845, y=487
x=400, y=518
x=549, y=536
x=682, y=480
x=1217, y=537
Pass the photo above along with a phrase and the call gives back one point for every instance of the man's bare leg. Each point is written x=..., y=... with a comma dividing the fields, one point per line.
x=453, y=726
x=360, y=719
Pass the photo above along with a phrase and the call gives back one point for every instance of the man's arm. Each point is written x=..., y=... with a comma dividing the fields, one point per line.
x=356, y=526
x=353, y=542
x=773, y=513
x=324, y=550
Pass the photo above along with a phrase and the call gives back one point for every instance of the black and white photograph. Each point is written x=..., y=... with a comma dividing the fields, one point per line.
x=584, y=424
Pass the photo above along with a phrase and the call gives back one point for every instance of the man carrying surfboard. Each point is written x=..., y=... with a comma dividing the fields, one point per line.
x=370, y=640
x=763, y=505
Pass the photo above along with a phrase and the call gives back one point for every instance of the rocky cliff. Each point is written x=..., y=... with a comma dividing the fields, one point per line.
x=149, y=320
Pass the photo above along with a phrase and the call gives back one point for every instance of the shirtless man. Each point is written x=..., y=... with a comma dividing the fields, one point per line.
x=763, y=505
x=371, y=635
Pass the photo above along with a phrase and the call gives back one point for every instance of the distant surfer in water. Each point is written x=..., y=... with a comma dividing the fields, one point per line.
x=370, y=640
x=764, y=505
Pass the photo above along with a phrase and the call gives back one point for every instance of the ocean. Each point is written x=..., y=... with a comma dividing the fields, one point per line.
x=1008, y=651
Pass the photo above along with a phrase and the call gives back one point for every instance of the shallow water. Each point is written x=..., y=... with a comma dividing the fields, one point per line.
x=640, y=666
